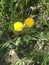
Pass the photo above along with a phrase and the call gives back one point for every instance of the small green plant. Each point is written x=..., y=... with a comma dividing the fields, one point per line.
x=24, y=28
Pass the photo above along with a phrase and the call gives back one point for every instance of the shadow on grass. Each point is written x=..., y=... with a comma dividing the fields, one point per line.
x=2, y=58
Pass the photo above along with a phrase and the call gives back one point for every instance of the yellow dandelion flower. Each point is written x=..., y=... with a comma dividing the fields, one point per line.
x=18, y=26
x=29, y=22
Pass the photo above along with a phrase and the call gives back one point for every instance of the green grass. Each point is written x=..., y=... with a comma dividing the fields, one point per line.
x=32, y=45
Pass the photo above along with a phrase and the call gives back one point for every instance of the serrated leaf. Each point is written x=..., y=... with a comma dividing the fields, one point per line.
x=26, y=39
x=17, y=41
